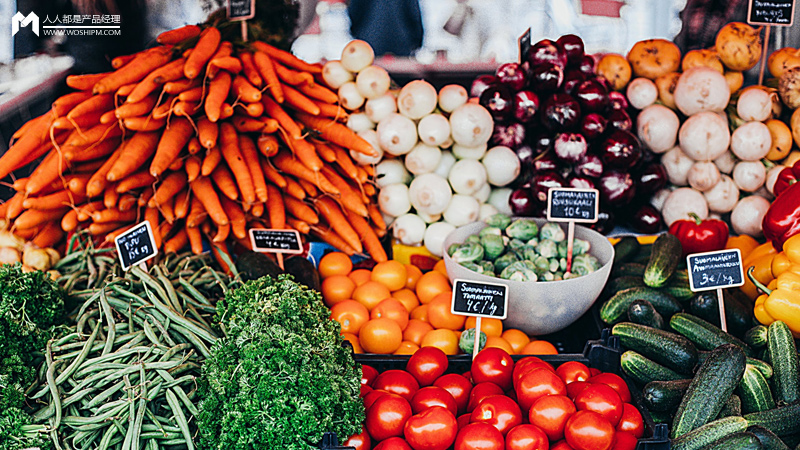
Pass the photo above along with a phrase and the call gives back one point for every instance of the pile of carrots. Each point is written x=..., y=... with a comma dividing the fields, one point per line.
x=201, y=137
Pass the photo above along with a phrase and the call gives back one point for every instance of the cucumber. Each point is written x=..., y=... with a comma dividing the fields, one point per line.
x=681, y=291
x=756, y=337
x=622, y=283
x=643, y=370
x=710, y=388
x=644, y=313
x=615, y=309
x=783, y=420
x=628, y=269
x=709, y=433
x=736, y=441
x=670, y=349
x=664, y=259
x=785, y=366
x=664, y=395
x=768, y=439
x=763, y=367
x=732, y=407
x=625, y=250
x=738, y=316
x=754, y=391
x=703, y=334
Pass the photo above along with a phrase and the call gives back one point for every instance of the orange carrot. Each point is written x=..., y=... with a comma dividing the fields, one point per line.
x=349, y=198
x=371, y=241
x=204, y=191
x=192, y=95
x=212, y=158
x=294, y=189
x=169, y=72
x=169, y=187
x=121, y=60
x=94, y=134
x=27, y=145
x=70, y=220
x=98, y=182
x=284, y=162
x=177, y=242
x=246, y=124
x=266, y=69
x=112, y=235
x=135, y=181
x=253, y=109
x=236, y=216
x=325, y=151
x=89, y=167
x=331, y=110
x=195, y=239
x=192, y=167
x=292, y=77
x=276, y=208
x=53, y=201
x=298, y=225
x=301, y=211
x=230, y=64
x=369, y=190
x=305, y=152
x=288, y=124
x=164, y=229
x=31, y=218
x=329, y=235
x=151, y=215
x=13, y=205
x=300, y=102
x=207, y=132
x=172, y=141
x=245, y=90
x=134, y=154
x=110, y=197
x=178, y=86
x=319, y=92
x=177, y=164
x=51, y=167
x=337, y=133
x=49, y=235
x=310, y=189
x=62, y=105
x=167, y=210
x=83, y=121
x=250, y=155
x=197, y=213
x=19, y=184
x=229, y=145
x=227, y=111
x=178, y=35
x=144, y=63
x=125, y=90
x=225, y=182
x=87, y=153
x=287, y=58
x=113, y=215
x=136, y=109
x=205, y=48
x=257, y=209
x=375, y=216
x=86, y=210
x=108, y=117
x=335, y=217
x=193, y=146
x=144, y=123
x=85, y=82
x=182, y=202
x=127, y=202
x=249, y=69
x=271, y=174
x=146, y=195
x=77, y=183
x=217, y=92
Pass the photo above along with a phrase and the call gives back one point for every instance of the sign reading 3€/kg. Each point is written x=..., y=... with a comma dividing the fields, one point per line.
x=471, y=298
x=569, y=204
x=712, y=270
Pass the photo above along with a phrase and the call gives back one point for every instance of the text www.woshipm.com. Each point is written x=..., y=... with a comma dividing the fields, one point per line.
x=82, y=32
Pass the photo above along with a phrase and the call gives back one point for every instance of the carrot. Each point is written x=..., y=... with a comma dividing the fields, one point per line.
x=206, y=46
x=108, y=117
x=35, y=217
x=86, y=210
x=146, y=195
x=212, y=158
x=185, y=109
x=192, y=95
x=227, y=111
x=292, y=77
x=19, y=184
x=89, y=167
x=62, y=105
x=238, y=220
x=33, y=123
x=26, y=233
x=83, y=121
x=329, y=235
x=113, y=215
x=217, y=92
x=177, y=242
x=301, y=210
x=299, y=101
x=172, y=141
x=253, y=109
x=178, y=35
x=249, y=69
x=70, y=220
x=98, y=182
x=276, y=209
x=28, y=144
x=167, y=210
x=144, y=63
x=348, y=197
x=51, y=167
x=225, y=182
x=85, y=82
x=144, y=124
x=309, y=188
x=178, y=86
x=171, y=71
x=112, y=235
x=337, y=133
x=125, y=90
x=49, y=235
x=331, y=110
x=230, y=64
x=182, y=202
x=325, y=151
x=192, y=167
x=110, y=197
x=101, y=229
x=197, y=213
x=319, y=92
x=134, y=154
x=286, y=58
x=53, y=201
x=245, y=90
x=135, y=181
x=305, y=152
x=13, y=206
x=225, y=49
x=169, y=187
x=229, y=145
x=250, y=155
x=266, y=69
x=121, y=60
x=294, y=189
x=271, y=174
x=177, y=164
x=218, y=249
x=164, y=229
x=204, y=191
x=195, y=239
x=335, y=217
x=127, y=202
x=372, y=242
x=94, y=134
x=151, y=215
x=207, y=132
x=298, y=225
x=284, y=162
x=369, y=190
x=375, y=215
x=193, y=146
x=82, y=153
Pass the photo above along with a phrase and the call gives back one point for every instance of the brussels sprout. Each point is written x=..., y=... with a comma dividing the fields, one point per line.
x=492, y=246
x=515, y=244
x=562, y=264
x=490, y=230
x=518, y=271
x=504, y=261
x=558, y=276
x=552, y=231
x=584, y=264
x=542, y=264
x=467, y=341
x=579, y=247
x=452, y=249
x=548, y=276
x=554, y=265
x=489, y=273
x=547, y=248
x=522, y=229
x=475, y=239
x=487, y=266
x=533, y=242
x=472, y=266
x=529, y=253
x=468, y=252
x=498, y=220
x=529, y=264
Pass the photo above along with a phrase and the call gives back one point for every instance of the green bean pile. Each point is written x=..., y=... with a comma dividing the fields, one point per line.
x=124, y=377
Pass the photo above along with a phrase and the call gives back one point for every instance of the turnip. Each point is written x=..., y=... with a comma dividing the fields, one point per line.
x=435, y=235
x=373, y=81
x=391, y=171
x=681, y=202
x=359, y=122
x=502, y=165
x=487, y=210
x=471, y=125
x=701, y=89
x=703, y=175
x=751, y=141
x=482, y=195
x=748, y=214
x=467, y=176
x=451, y=97
x=393, y=199
x=349, y=97
x=725, y=162
x=372, y=137
x=641, y=92
x=417, y=99
x=397, y=134
x=434, y=129
x=462, y=210
x=423, y=159
x=677, y=165
x=464, y=152
x=430, y=193
x=704, y=136
x=409, y=229
x=772, y=177
x=754, y=104
x=379, y=108
x=749, y=176
x=445, y=164
x=335, y=75
x=657, y=126
x=499, y=199
x=357, y=55
x=723, y=196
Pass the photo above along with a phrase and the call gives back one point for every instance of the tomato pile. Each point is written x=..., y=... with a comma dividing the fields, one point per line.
x=498, y=404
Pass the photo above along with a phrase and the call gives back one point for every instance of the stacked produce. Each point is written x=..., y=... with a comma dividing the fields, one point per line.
x=201, y=135
x=14, y=249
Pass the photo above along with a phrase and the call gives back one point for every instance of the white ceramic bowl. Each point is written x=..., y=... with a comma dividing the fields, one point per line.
x=542, y=307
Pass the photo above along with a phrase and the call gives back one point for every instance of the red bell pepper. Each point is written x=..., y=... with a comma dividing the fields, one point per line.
x=782, y=219
x=698, y=236
x=786, y=178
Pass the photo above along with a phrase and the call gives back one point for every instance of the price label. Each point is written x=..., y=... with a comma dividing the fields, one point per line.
x=770, y=12
x=479, y=299
x=524, y=45
x=714, y=270
x=241, y=9
x=572, y=205
x=276, y=241
x=136, y=245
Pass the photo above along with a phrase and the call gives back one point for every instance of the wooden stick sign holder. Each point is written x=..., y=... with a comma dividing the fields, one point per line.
x=779, y=13
x=572, y=205
x=716, y=271
x=241, y=10
x=276, y=241
x=479, y=299
x=136, y=246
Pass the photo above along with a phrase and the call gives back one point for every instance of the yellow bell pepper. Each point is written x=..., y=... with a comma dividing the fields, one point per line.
x=782, y=301
x=780, y=263
x=745, y=243
x=761, y=260
x=792, y=249
x=760, y=312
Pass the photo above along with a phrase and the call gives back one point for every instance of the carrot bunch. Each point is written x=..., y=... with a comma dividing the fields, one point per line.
x=200, y=137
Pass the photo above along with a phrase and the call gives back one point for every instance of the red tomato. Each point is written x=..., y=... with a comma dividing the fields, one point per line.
x=526, y=437
x=479, y=436
x=371, y=396
x=573, y=371
x=386, y=417
x=430, y=396
x=479, y=392
x=624, y=441
x=397, y=382
x=602, y=399
x=364, y=390
x=561, y=445
x=527, y=364
x=588, y=430
x=631, y=421
x=468, y=376
x=616, y=382
x=494, y=365
x=427, y=364
x=575, y=388
x=594, y=371
x=458, y=386
x=393, y=443
x=432, y=429
x=360, y=441
x=550, y=413
x=463, y=420
x=538, y=383
x=499, y=411
x=368, y=375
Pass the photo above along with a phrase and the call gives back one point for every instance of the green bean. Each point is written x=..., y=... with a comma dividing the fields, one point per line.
x=115, y=355
x=118, y=404
x=193, y=339
x=54, y=434
x=151, y=335
x=64, y=340
x=160, y=436
x=51, y=383
x=175, y=349
x=126, y=445
x=76, y=397
x=152, y=444
x=106, y=440
x=182, y=380
x=178, y=319
x=104, y=395
x=137, y=427
x=109, y=321
x=172, y=400
x=179, y=392
x=158, y=428
x=85, y=319
x=171, y=296
x=193, y=292
x=76, y=421
x=80, y=359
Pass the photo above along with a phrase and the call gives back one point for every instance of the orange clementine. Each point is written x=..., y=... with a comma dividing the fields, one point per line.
x=517, y=338
x=336, y=288
x=380, y=336
x=413, y=275
x=350, y=314
x=497, y=341
x=489, y=326
x=391, y=274
x=539, y=347
x=416, y=330
x=353, y=339
x=406, y=348
x=439, y=314
x=334, y=263
x=420, y=313
x=442, y=339
x=430, y=285
x=360, y=276
x=371, y=293
x=407, y=297
x=391, y=308
x=440, y=267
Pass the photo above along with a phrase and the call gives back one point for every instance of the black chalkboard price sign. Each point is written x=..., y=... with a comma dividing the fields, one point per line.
x=715, y=270
x=524, y=42
x=471, y=298
x=241, y=9
x=276, y=241
x=771, y=12
x=136, y=245
x=572, y=205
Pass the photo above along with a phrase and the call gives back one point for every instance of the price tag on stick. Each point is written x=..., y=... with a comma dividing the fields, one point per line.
x=779, y=13
x=716, y=270
x=276, y=241
x=572, y=205
x=479, y=299
x=241, y=10
x=136, y=246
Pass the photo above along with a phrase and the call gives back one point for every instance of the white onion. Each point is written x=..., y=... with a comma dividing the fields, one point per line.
x=657, y=127
x=393, y=199
x=700, y=89
x=502, y=165
x=464, y=152
x=462, y=210
x=749, y=175
x=423, y=159
x=658, y=199
x=467, y=176
x=471, y=125
x=349, y=97
x=725, y=162
x=445, y=164
x=357, y=55
x=381, y=107
x=677, y=166
x=772, y=177
x=359, y=122
x=641, y=93
x=435, y=235
x=397, y=134
x=429, y=218
x=391, y=171
x=751, y=141
x=409, y=229
x=704, y=136
x=452, y=96
x=754, y=104
x=748, y=214
x=723, y=196
x=335, y=75
x=373, y=81
x=499, y=199
x=434, y=129
x=447, y=143
x=487, y=210
x=482, y=195
x=681, y=202
x=430, y=193
x=417, y=99
x=703, y=175
x=372, y=137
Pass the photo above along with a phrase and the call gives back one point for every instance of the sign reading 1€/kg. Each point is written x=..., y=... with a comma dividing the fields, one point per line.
x=136, y=245
x=713, y=270
x=572, y=204
x=276, y=241
x=241, y=9
x=771, y=12
x=479, y=299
